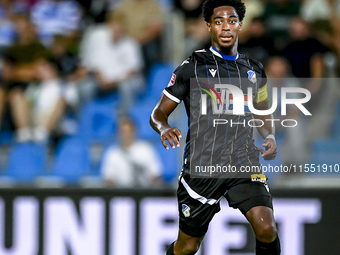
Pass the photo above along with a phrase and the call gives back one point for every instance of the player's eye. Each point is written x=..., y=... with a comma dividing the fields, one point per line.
x=218, y=22
x=233, y=21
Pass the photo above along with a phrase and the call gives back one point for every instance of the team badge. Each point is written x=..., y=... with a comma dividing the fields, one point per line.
x=185, y=210
x=172, y=80
x=252, y=76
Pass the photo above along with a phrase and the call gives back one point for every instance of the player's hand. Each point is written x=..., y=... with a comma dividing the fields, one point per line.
x=271, y=149
x=172, y=135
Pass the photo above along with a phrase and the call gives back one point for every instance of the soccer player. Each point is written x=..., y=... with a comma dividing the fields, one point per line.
x=212, y=144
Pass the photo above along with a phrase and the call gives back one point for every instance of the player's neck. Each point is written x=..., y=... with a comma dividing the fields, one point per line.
x=228, y=51
x=231, y=56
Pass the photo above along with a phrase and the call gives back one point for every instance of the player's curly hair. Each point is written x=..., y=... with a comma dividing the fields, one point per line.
x=210, y=5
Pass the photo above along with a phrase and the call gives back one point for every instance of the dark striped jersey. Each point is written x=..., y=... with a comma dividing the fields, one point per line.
x=216, y=135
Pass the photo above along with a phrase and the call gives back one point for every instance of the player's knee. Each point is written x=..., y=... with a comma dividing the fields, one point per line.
x=267, y=233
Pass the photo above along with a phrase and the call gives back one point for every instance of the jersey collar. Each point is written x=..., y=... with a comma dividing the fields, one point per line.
x=224, y=56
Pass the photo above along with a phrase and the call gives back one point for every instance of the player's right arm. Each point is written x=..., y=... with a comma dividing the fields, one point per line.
x=172, y=95
x=159, y=122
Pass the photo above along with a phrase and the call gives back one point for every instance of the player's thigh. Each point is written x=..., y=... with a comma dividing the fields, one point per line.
x=198, y=202
x=254, y=200
x=248, y=194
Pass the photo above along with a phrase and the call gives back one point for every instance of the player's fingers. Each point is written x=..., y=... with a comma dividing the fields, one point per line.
x=261, y=150
x=168, y=138
x=163, y=139
x=178, y=133
x=268, y=152
x=271, y=155
x=174, y=138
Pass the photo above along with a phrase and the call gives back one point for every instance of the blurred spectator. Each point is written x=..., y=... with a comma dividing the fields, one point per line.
x=47, y=100
x=7, y=28
x=306, y=56
x=114, y=58
x=19, y=69
x=67, y=61
x=95, y=10
x=192, y=9
x=328, y=32
x=304, y=52
x=319, y=10
x=255, y=9
x=278, y=15
x=294, y=138
x=52, y=17
x=133, y=163
x=196, y=34
x=258, y=44
x=143, y=20
x=2, y=104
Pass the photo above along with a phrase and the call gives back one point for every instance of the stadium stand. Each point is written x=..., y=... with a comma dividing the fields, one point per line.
x=26, y=161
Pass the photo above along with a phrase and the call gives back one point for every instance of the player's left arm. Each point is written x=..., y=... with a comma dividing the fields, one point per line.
x=267, y=130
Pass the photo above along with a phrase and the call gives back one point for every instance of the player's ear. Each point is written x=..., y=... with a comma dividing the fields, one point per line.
x=208, y=26
x=240, y=26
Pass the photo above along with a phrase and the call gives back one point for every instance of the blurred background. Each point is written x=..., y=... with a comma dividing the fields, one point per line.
x=79, y=79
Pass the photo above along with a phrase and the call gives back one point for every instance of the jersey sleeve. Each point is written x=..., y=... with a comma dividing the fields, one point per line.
x=179, y=83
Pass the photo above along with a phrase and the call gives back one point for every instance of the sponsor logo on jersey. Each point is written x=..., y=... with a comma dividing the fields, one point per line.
x=259, y=178
x=213, y=72
x=172, y=80
x=252, y=76
x=185, y=210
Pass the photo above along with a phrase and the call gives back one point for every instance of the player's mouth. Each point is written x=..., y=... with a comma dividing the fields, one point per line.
x=226, y=38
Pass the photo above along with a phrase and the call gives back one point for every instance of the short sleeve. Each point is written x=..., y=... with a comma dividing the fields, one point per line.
x=179, y=83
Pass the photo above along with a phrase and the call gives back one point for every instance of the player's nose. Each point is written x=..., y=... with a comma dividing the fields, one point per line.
x=226, y=26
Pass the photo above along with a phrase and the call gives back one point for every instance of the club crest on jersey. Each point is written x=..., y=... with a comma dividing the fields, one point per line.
x=185, y=210
x=172, y=80
x=252, y=76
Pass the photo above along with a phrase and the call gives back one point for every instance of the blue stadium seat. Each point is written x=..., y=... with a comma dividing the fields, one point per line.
x=72, y=160
x=6, y=136
x=158, y=78
x=325, y=152
x=335, y=128
x=111, y=99
x=97, y=121
x=140, y=114
x=170, y=160
x=326, y=146
x=26, y=161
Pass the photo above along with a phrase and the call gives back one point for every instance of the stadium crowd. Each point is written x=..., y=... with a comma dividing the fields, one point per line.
x=75, y=70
